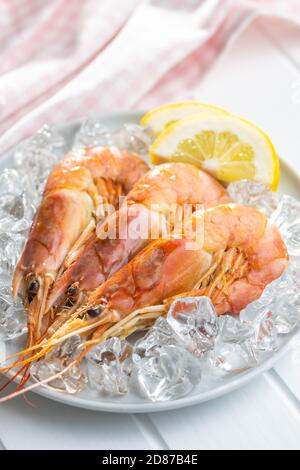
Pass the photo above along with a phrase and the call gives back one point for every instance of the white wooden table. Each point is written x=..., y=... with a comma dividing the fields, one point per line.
x=258, y=78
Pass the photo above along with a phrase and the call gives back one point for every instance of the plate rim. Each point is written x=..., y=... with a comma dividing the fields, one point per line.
x=189, y=400
x=184, y=402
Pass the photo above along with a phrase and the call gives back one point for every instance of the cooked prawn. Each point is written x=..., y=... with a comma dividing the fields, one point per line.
x=149, y=204
x=240, y=254
x=76, y=194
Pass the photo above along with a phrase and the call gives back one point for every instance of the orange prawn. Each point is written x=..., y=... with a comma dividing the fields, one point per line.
x=150, y=204
x=76, y=194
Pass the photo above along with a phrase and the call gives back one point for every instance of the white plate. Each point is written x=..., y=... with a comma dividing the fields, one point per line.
x=131, y=403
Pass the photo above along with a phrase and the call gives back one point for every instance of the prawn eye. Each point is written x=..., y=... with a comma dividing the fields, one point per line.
x=33, y=289
x=72, y=290
x=95, y=311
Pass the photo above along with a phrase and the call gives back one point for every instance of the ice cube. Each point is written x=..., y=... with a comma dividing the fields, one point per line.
x=286, y=311
x=35, y=158
x=47, y=137
x=109, y=366
x=13, y=319
x=232, y=357
x=93, y=133
x=281, y=298
x=291, y=236
x=250, y=193
x=232, y=330
x=287, y=219
x=10, y=183
x=134, y=138
x=74, y=379
x=266, y=338
x=290, y=279
x=5, y=293
x=16, y=213
x=166, y=372
x=260, y=317
x=287, y=213
x=160, y=334
x=195, y=322
x=233, y=351
x=293, y=272
x=10, y=249
x=163, y=368
x=131, y=137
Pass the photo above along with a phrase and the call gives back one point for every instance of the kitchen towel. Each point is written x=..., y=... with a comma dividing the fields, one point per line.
x=63, y=59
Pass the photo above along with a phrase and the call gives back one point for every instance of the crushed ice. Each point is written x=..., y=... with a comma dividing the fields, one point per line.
x=56, y=361
x=131, y=137
x=250, y=193
x=163, y=367
x=194, y=320
x=109, y=366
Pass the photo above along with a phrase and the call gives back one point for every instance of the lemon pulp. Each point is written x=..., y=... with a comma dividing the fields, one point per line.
x=220, y=153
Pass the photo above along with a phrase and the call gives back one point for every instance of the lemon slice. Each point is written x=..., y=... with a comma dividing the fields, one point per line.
x=227, y=146
x=159, y=118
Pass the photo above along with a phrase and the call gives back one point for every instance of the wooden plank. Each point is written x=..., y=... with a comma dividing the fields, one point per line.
x=150, y=432
x=50, y=425
x=253, y=417
x=288, y=368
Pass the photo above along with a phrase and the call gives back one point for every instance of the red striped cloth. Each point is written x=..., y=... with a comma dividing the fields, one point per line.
x=62, y=59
